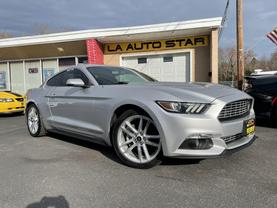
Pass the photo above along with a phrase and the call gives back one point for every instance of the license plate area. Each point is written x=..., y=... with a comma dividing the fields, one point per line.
x=249, y=127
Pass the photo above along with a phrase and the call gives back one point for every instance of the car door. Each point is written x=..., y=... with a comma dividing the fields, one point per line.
x=264, y=93
x=72, y=107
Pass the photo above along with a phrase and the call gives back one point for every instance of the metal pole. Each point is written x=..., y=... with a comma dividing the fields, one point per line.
x=240, y=43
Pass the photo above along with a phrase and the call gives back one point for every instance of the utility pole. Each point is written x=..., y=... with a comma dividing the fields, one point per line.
x=240, y=43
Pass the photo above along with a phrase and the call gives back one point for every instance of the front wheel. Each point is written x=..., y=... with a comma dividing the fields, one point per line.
x=35, y=126
x=136, y=140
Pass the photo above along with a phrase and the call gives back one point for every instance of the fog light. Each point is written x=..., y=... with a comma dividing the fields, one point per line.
x=197, y=143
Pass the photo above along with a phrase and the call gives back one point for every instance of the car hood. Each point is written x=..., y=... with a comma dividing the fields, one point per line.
x=197, y=91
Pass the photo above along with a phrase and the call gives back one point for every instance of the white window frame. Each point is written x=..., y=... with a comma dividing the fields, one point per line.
x=8, y=62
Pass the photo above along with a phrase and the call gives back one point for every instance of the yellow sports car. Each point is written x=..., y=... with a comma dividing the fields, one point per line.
x=11, y=102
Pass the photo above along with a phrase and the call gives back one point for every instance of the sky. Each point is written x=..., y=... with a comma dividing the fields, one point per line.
x=22, y=17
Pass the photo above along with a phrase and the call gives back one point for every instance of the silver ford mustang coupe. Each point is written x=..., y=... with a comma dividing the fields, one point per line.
x=141, y=118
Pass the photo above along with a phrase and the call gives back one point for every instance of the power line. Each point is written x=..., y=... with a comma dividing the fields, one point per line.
x=224, y=18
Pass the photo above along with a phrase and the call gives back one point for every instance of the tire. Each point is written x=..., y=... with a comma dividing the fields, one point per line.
x=34, y=123
x=136, y=140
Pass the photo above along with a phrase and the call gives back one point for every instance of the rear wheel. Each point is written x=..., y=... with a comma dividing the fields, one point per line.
x=34, y=123
x=136, y=140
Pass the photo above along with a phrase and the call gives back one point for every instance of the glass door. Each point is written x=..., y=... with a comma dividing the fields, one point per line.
x=17, y=77
x=33, y=74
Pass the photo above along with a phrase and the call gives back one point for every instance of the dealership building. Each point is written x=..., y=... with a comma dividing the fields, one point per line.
x=178, y=51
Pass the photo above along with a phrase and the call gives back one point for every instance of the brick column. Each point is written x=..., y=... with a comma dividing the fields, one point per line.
x=94, y=52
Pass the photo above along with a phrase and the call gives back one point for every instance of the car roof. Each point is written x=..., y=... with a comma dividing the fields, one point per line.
x=98, y=65
x=267, y=76
x=257, y=73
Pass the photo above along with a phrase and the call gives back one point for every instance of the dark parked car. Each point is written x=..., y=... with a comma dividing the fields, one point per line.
x=264, y=90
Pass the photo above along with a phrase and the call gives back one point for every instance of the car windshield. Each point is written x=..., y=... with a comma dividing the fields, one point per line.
x=118, y=75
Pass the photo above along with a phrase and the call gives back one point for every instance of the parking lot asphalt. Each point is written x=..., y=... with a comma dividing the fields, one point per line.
x=61, y=172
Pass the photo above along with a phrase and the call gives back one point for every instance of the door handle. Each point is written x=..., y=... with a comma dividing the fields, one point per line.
x=52, y=104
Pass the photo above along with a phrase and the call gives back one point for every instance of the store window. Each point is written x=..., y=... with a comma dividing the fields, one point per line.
x=83, y=60
x=65, y=63
x=49, y=69
x=4, y=77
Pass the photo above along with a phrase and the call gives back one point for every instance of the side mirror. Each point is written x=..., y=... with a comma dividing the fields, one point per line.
x=76, y=83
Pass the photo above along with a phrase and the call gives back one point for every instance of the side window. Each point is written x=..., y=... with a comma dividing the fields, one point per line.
x=80, y=75
x=61, y=79
x=57, y=80
x=69, y=74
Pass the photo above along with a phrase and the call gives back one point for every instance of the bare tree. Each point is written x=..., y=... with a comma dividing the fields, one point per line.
x=46, y=29
x=4, y=35
x=227, y=63
x=273, y=60
x=250, y=61
x=42, y=29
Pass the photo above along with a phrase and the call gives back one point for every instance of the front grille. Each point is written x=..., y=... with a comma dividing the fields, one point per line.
x=229, y=139
x=20, y=99
x=236, y=109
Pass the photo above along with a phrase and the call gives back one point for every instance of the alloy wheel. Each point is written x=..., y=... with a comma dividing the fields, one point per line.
x=33, y=120
x=138, y=139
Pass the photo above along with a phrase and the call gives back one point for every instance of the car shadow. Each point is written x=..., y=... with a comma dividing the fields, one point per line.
x=166, y=161
x=6, y=115
x=53, y=202
x=110, y=154
x=105, y=150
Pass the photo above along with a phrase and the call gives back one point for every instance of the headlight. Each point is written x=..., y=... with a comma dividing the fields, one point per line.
x=6, y=100
x=180, y=107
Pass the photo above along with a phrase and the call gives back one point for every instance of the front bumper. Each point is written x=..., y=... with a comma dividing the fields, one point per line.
x=231, y=151
x=226, y=152
x=176, y=128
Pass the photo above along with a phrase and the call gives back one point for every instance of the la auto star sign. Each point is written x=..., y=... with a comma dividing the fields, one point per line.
x=156, y=45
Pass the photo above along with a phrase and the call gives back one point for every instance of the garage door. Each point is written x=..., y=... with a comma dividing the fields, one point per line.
x=165, y=67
